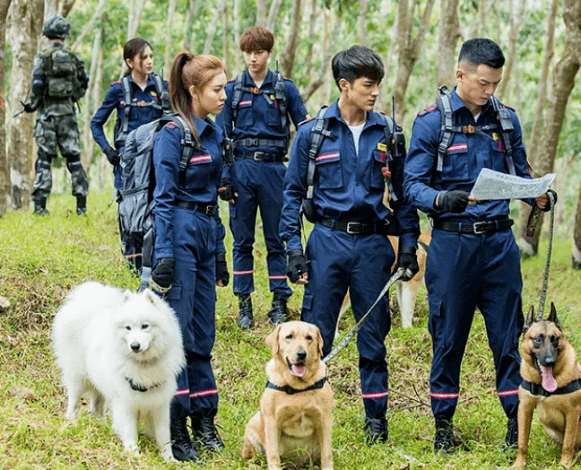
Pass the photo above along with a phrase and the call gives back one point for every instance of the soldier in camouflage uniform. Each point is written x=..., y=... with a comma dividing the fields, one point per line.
x=58, y=82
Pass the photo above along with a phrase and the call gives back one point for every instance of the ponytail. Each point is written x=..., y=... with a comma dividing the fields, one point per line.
x=190, y=70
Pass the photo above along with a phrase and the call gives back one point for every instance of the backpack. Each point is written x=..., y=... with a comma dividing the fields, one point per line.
x=136, y=200
x=61, y=69
x=396, y=149
x=449, y=129
x=280, y=98
x=122, y=124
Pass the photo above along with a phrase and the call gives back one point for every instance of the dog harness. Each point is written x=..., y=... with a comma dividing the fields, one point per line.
x=140, y=388
x=537, y=389
x=291, y=391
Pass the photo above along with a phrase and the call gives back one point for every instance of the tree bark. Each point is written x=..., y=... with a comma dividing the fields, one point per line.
x=362, y=23
x=89, y=26
x=327, y=53
x=533, y=141
x=409, y=47
x=313, y=16
x=261, y=12
x=576, y=250
x=189, y=22
x=135, y=11
x=563, y=82
x=26, y=17
x=225, y=41
x=92, y=97
x=4, y=172
x=448, y=36
x=213, y=26
x=272, y=14
x=516, y=7
x=167, y=56
x=236, y=14
x=287, y=58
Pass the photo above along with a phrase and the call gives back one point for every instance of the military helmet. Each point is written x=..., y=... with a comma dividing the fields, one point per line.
x=56, y=27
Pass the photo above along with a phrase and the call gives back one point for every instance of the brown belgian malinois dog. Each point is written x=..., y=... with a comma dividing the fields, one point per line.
x=551, y=383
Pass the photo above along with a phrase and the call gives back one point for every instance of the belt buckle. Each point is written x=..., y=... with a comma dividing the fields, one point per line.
x=210, y=211
x=354, y=231
x=259, y=156
x=478, y=230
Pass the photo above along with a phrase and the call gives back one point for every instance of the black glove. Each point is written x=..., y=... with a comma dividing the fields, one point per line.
x=222, y=273
x=296, y=265
x=549, y=206
x=162, y=275
x=452, y=201
x=408, y=260
x=27, y=107
x=112, y=156
x=226, y=190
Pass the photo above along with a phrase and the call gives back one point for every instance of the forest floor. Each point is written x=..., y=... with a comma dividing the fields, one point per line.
x=41, y=259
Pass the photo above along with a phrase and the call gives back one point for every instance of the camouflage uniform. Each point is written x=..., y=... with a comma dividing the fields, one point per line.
x=58, y=81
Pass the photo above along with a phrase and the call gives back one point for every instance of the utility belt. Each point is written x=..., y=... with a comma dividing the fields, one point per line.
x=478, y=228
x=357, y=228
x=209, y=209
x=264, y=157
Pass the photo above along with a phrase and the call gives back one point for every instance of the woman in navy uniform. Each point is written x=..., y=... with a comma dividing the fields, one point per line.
x=473, y=259
x=348, y=247
x=189, y=253
x=148, y=97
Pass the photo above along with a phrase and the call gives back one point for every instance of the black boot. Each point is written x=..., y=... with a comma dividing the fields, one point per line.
x=511, y=439
x=205, y=432
x=278, y=313
x=81, y=205
x=245, y=318
x=40, y=207
x=182, y=447
x=444, y=440
x=375, y=431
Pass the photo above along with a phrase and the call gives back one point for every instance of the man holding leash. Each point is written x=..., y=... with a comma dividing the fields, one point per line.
x=473, y=259
x=361, y=152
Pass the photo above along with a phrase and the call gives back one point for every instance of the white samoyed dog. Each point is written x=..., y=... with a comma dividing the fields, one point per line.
x=124, y=350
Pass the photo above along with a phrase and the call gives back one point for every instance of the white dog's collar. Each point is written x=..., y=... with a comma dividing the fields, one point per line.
x=140, y=388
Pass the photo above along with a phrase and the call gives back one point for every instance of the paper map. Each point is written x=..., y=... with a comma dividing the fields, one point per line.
x=495, y=185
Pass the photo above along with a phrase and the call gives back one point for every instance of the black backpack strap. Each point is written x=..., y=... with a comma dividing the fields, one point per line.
x=318, y=134
x=237, y=97
x=447, y=124
x=127, y=108
x=162, y=93
x=506, y=128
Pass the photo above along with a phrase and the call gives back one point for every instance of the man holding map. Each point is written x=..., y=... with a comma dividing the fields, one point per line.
x=473, y=260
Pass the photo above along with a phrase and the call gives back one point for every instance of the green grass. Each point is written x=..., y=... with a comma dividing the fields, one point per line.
x=42, y=258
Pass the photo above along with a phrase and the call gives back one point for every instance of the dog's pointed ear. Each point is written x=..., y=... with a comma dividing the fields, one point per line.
x=553, y=316
x=530, y=318
x=272, y=340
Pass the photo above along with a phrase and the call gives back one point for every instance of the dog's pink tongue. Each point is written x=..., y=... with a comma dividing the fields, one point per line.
x=298, y=370
x=549, y=382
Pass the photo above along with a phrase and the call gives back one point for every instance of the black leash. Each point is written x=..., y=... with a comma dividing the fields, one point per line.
x=547, y=264
x=345, y=341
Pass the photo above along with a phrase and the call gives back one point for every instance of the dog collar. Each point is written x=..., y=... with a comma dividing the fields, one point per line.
x=537, y=389
x=291, y=391
x=140, y=388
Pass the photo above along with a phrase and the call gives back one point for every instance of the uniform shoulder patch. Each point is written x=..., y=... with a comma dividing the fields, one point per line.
x=309, y=119
x=117, y=82
x=232, y=80
x=429, y=109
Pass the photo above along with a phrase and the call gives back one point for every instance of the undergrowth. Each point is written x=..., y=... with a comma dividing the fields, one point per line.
x=42, y=258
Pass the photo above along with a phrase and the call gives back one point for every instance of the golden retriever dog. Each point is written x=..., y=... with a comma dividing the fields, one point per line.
x=294, y=421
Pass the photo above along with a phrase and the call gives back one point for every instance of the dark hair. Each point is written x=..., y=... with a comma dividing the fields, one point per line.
x=481, y=51
x=132, y=48
x=358, y=61
x=189, y=70
x=256, y=39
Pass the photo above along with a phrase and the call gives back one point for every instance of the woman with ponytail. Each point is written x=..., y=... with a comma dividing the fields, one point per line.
x=189, y=253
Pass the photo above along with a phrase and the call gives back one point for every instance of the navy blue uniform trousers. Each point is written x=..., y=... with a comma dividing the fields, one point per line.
x=193, y=297
x=465, y=271
x=259, y=185
x=362, y=263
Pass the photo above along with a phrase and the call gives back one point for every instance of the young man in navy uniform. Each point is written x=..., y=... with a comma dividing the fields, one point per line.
x=256, y=118
x=473, y=260
x=348, y=247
